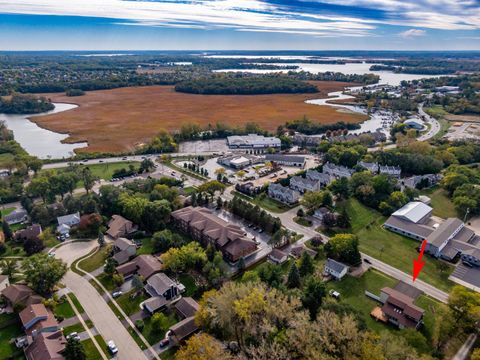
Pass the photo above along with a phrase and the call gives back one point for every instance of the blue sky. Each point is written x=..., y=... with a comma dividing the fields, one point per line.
x=239, y=24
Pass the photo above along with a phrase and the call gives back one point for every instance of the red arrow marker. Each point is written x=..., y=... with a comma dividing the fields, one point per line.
x=418, y=263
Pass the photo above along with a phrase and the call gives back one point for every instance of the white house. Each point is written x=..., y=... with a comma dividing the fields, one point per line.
x=302, y=185
x=394, y=171
x=324, y=179
x=336, y=269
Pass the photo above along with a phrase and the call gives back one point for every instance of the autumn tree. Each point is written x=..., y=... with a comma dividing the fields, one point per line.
x=202, y=347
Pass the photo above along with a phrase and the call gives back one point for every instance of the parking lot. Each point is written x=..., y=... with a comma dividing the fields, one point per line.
x=466, y=276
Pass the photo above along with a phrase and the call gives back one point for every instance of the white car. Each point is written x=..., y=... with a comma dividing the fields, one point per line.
x=112, y=347
x=74, y=335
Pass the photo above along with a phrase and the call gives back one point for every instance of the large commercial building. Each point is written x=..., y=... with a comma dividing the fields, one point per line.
x=253, y=141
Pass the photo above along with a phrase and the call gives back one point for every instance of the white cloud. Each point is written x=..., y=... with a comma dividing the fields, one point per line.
x=412, y=33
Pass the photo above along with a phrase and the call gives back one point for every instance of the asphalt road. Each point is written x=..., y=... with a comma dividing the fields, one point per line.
x=434, y=125
x=464, y=351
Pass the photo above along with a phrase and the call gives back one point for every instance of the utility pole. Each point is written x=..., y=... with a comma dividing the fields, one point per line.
x=466, y=214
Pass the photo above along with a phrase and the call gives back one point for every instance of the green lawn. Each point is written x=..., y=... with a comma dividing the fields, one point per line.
x=95, y=261
x=105, y=171
x=75, y=302
x=7, y=334
x=265, y=202
x=130, y=305
x=302, y=221
x=352, y=292
x=78, y=327
x=153, y=335
x=189, y=190
x=441, y=203
x=13, y=249
x=147, y=246
x=91, y=350
x=168, y=354
x=64, y=310
x=392, y=248
x=7, y=211
x=189, y=282
x=106, y=281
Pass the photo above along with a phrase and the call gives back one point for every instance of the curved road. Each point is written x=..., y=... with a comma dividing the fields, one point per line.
x=103, y=318
x=435, y=126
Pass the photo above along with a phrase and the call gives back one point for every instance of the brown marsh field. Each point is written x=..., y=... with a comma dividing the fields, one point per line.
x=120, y=119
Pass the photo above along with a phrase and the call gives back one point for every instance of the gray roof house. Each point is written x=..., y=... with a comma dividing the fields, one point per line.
x=162, y=290
x=428, y=179
x=337, y=171
x=394, y=171
x=283, y=194
x=442, y=235
x=372, y=167
x=303, y=185
x=123, y=249
x=277, y=256
x=336, y=269
x=16, y=217
x=324, y=179
x=287, y=160
x=70, y=219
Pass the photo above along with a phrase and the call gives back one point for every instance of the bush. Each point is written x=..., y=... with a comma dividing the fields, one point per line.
x=139, y=324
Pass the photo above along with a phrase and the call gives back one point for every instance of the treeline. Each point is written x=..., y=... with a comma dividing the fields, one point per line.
x=254, y=214
x=245, y=86
x=307, y=127
x=428, y=66
x=366, y=79
x=24, y=104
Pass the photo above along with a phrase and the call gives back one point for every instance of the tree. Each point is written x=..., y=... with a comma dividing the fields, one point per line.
x=42, y=272
x=343, y=220
x=118, y=279
x=312, y=296
x=312, y=200
x=202, y=347
x=33, y=245
x=137, y=282
x=7, y=231
x=187, y=257
x=101, y=239
x=340, y=188
x=211, y=187
x=293, y=280
x=8, y=267
x=475, y=355
x=88, y=179
x=465, y=307
x=156, y=215
x=329, y=220
x=110, y=265
x=306, y=265
x=160, y=322
x=39, y=187
x=74, y=350
x=344, y=248
x=146, y=165
x=250, y=276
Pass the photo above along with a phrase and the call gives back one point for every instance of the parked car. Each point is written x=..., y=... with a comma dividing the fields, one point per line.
x=117, y=294
x=367, y=261
x=334, y=294
x=164, y=342
x=73, y=335
x=112, y=347
x=466, y=263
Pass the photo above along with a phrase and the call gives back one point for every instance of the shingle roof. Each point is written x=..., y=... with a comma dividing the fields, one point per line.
x=187, y=307
x=70, y=218
x=31, y=312
x=184, y=328
x=335, y=265
x=277, y=254
x=403, y=302
x=46, y=346
x=17, y=292
x=444, y=231
x=122, y=243
x=160, y=283
x=155, y=303
x=119, y=226
x=417, y=229
x=285, y=158
x=15, y=216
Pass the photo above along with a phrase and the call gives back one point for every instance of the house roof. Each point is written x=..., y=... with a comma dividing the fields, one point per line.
x=31, y=232
x=187, y=307
x=403, y=302
x=127, y=268
x=184, y=328
x=414, y=211
x=240, y=246
x=160, y=283
x=303, y=181
x=335, y=265
x=285, y=158
x=252, y=140
x=15, y=216
x=147, y=265
x=297, y=251
x=118, y=226
x=3, y=278
x=17, y=293
x=277, y=254
x=46, y=323
x=123, y=243
x=69, y=219
x=47, y=346
x=121, y=257
x=155, y=303
x=31, y=312
x=417, y=229
x=444, y=231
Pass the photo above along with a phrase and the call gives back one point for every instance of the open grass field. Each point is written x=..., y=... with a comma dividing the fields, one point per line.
x=119, y=119
x=442, y=205
x=393, y=249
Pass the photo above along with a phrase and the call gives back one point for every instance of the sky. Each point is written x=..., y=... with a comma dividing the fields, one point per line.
x=239, y=25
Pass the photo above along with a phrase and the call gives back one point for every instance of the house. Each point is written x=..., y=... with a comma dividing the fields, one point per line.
x=4, y=282
x=400, y=310
x=36, y=319
x=277, y=256
x=182, y=330
x=30, y=233
x=393, y=171
x=336, y=269
x=253, y=141
x=410, y=220
x=118, y=227
x=16, y=217
x=66, y=222
x=320, y=213
x=162, y=290
x=372, y=167
x=421, y=181
x=248, y=188
x=322, y=178
x=303, y=185
x=186, y=307
x=286, y=160
x=123, y=250
x=143, y=265
x=19, y=294
x=47, y=346
x=337, y=171
x=207, y=228
x=297, y=251
x=283, y=194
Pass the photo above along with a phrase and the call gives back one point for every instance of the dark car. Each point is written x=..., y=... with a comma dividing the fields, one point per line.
x=367, y=261
x=164, y=342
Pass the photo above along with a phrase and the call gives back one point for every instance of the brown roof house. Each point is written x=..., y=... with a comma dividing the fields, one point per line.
x=123, y=250
x=47, y=346
x=298, y=251
x=18, y=294
x=400, y=310
x=186, y=309
x=36, y=319
x=143, y=265
x=207, y=228
x=118, y=227
x=277, y=256
x=30, y=233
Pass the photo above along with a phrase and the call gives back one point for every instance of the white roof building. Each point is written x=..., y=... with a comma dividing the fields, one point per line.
x=252, y=141
x=414, y=211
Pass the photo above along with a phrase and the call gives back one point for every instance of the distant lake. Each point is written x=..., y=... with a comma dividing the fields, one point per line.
x=386, y=77
x=37, y=141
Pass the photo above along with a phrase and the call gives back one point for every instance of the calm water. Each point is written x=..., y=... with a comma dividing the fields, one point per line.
x=37, y=141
